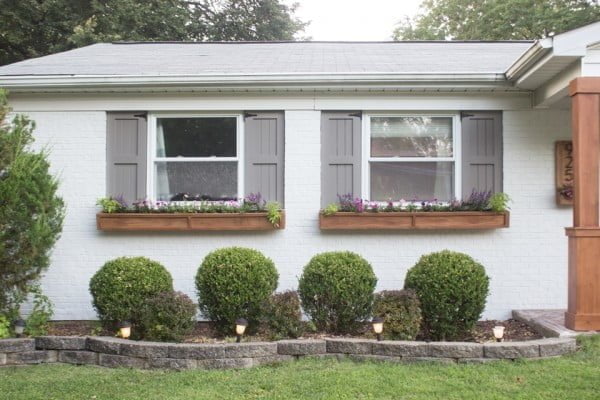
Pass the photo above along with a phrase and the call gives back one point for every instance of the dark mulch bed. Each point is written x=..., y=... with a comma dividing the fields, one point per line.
x=204, y=333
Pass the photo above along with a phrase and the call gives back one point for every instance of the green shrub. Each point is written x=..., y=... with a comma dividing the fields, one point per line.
x=336, y=290
x=36, y=323
x=5, y=330
x=233, y=283
x=401, y=312
x=167, y=317
x=452, y=288
x=283, y=316
x=121, y=287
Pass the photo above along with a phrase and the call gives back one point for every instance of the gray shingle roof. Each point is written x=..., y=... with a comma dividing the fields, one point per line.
x=236, y=58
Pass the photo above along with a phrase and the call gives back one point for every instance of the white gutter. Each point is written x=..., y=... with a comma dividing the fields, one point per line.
x=61, y=82
x=535, y=53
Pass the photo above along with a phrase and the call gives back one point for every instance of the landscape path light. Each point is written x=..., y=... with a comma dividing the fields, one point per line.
x=19, y=327
x=240, y=328
x=377, y=323
x=125, y=329
x=498, y=333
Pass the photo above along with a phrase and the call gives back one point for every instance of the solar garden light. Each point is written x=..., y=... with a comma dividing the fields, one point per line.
x=19, y=326
x=377, y=323
x=240, y=328
x=125, y=329
x=498, y=333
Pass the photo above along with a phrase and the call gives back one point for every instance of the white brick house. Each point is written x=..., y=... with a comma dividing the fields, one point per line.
x=72, y=96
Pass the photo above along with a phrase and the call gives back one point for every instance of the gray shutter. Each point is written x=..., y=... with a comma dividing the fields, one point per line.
x=481, y=152
x=264, y=151
x=340, y=155
x=126, y=155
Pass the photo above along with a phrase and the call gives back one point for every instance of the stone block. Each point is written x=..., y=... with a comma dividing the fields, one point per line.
x=106, y=345
x=455, y=350
x=115, y=361
x=435, y=360
x=511, y=350
x=32, y=357
x=557, y=346
x=16, y=345
x=225, y=363
x=301, y=347
x=476, y=360
x=250, y=350
x=172, y=363
x=196, y=351
x=2, y=358
x=78, y=357
x=349, y=346
x=60, y=343
x=144, y=349
x=401, y=348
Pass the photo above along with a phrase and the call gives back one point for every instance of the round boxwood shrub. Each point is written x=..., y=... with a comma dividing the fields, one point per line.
x=283, y=316
x=233, y=283
x=452, y=288
x=121, y=287
x=167, y=317
x=336, y=291
x=401, y=312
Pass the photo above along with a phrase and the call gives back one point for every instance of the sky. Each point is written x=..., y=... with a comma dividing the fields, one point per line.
x=353, y=19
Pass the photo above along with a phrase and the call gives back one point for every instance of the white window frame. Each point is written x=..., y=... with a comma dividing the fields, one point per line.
x=366, y=148
x=153, y=159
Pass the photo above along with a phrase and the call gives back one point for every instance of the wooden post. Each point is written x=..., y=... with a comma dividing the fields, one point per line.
x=584, y=237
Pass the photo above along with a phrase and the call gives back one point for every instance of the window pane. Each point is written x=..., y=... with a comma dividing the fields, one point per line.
x=412, y=181
x=196, y=137
x=411, y=137
x=200, y=180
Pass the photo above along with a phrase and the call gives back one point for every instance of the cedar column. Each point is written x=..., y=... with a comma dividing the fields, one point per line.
x=584, y=238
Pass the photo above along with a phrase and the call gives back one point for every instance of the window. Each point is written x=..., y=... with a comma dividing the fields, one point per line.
x=195, y=157
x=411, y=157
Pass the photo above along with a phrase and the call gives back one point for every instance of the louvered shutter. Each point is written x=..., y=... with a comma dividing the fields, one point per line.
x=264, y=154
x=481, y=152
x=340, y=155
x=126, y=155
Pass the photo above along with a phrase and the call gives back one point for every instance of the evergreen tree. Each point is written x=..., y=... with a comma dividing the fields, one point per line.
x=31, y=213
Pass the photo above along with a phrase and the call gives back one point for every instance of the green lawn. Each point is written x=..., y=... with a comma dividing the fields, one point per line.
x=572, y=377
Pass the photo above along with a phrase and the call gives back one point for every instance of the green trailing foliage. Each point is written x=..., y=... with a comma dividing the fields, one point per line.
x=5, y=325
x=401, y=312
x=453, y=289
x=31, y=212
x=232, y=283
x=122, y=286
x=499, y=202
x=273, y=210
x=283, y=316
x=167, y=317
x=336, y=291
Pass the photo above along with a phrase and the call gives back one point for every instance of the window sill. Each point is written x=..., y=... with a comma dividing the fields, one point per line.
x=342, y=221
x=181, y=222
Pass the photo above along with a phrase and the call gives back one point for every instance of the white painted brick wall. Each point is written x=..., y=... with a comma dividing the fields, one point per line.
x=527, y=262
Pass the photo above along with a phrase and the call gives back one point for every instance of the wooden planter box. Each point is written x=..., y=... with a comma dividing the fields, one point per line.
x=130, y=222
x=414, y=220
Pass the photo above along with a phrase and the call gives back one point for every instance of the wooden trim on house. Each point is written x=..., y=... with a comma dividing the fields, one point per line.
x=178, y=222
x=414, y=220
x=583, y=311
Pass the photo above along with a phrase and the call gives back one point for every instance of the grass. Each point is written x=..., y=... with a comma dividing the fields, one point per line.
x=572, y=377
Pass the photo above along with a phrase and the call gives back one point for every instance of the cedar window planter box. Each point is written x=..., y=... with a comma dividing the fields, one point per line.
x=177, y=222
x=414, y=220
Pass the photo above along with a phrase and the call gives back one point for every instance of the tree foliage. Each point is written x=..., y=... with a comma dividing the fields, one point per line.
x=31, y=214
x=33, y=28
x=496, y=19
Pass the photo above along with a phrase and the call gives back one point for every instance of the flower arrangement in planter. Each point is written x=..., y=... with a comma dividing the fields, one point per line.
x=249, y=213
x=481, y=210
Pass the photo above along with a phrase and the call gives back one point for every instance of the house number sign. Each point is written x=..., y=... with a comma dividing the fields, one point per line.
x=564, y=172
